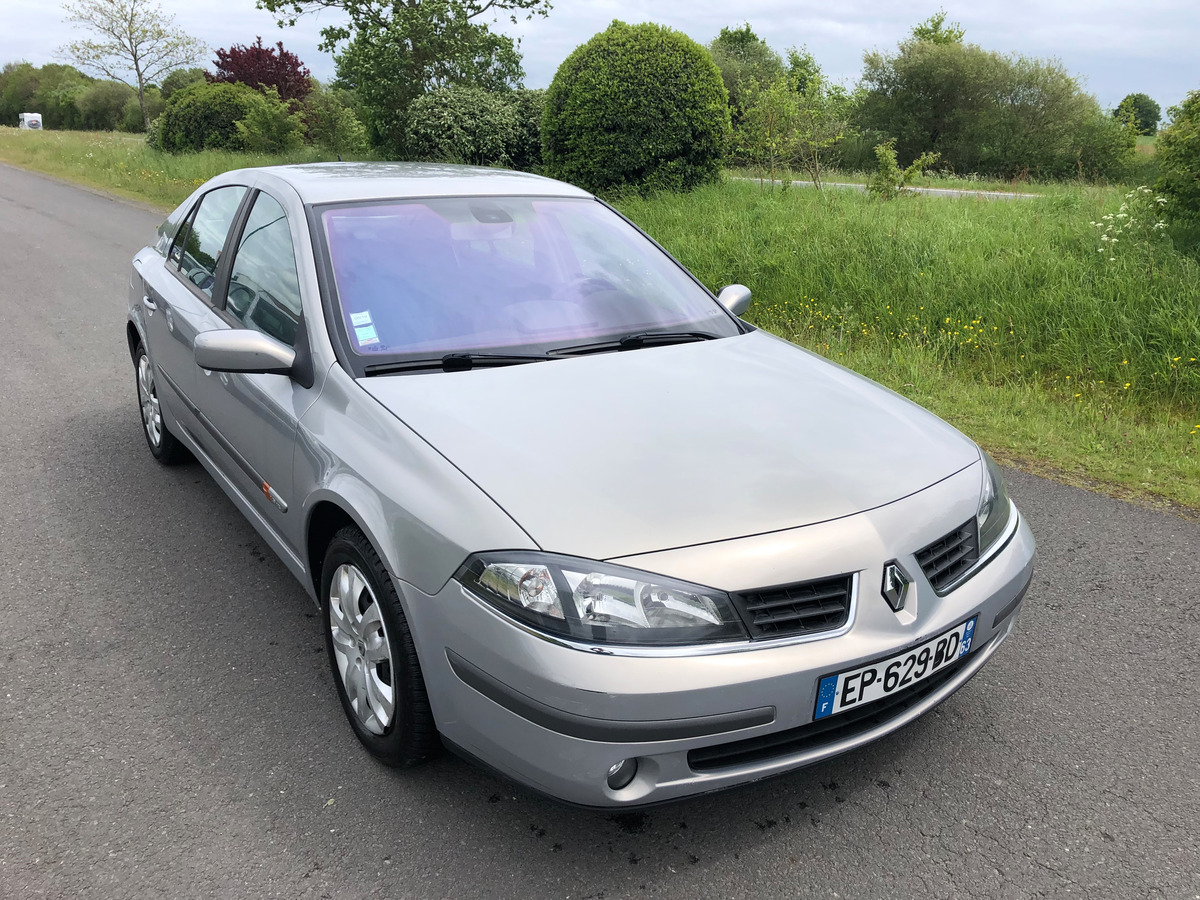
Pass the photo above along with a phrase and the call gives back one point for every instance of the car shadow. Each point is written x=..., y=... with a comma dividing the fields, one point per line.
x=229, y=654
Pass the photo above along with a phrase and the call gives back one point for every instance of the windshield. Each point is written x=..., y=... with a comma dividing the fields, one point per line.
x=476, y=275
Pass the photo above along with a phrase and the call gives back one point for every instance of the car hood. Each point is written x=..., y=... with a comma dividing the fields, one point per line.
x=623, y=453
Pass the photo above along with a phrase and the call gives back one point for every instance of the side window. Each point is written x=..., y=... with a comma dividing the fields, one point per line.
x=198, y=254
x=169, y=229
x=264, y=291
x=180, y=240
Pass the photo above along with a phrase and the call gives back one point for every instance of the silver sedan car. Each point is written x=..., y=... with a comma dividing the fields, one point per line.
x=563, y=511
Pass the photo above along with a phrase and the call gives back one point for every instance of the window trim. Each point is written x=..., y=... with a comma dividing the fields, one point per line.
x=235, y=239
x=216, y=302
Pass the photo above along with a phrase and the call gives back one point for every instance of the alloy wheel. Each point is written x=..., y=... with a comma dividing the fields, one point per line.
x=148, y=398
x=361, y=648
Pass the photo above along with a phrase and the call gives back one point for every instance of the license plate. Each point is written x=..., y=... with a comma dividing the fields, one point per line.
x=866, y=684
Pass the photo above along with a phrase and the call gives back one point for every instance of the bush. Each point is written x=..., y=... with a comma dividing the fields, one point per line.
x=269, y=125
x=179, y=79
x=102, y=105
x=525, y=151
x=889, y=181
x=1178, y=156
x=1006, y=116
x=330, y=121
x=638, y=106
x=204, y=116
x=131, y=116
x=462, y=124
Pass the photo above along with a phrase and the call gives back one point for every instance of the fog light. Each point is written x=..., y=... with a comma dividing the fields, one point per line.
x=622, y=773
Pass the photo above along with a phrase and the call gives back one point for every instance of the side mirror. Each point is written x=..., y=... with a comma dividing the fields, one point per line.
x=242, y=350
x=735, y=298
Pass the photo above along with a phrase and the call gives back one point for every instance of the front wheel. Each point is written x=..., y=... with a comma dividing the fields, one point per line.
x=372, y=655
x=163, y=445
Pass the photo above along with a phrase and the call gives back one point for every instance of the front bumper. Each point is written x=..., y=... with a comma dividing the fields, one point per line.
x=556, y=716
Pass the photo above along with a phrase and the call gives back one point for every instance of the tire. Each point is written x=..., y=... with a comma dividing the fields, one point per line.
x=163, y=445
x=363, y=618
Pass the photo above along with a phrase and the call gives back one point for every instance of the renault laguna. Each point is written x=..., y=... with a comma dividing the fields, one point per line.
x=562, y=509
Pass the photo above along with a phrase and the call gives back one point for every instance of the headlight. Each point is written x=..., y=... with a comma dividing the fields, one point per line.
x=595, y=602
x=994, y=508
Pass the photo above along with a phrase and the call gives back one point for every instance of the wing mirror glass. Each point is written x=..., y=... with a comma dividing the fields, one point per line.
x=735, y=298
x=241, y=350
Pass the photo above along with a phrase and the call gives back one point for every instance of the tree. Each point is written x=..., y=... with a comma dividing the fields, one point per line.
x=988, y=113
x=179, y=79
x=1142, y=111
x=743, y=57
x=393, y=51
x=134, y=42
x=823, y=113
x=263, y=67
x=937, y=30
x=1178, y=156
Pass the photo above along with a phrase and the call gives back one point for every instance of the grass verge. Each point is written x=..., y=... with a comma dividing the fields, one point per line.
x=1000, y=317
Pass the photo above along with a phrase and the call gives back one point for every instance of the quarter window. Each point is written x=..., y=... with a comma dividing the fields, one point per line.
x=198, y=254
x=264, y=290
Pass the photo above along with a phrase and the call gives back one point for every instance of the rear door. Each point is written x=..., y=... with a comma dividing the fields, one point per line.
x=178, y=295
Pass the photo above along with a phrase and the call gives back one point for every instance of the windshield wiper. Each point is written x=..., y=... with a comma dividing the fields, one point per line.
x=637, y=340
x=453, y=362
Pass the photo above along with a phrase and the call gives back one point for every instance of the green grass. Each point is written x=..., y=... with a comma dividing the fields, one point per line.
x=122, y=163
x=1001, y=317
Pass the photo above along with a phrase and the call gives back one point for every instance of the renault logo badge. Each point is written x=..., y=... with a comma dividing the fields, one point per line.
x=895, y=585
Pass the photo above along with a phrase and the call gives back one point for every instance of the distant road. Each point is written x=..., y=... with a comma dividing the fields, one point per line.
x=169, y=729
x=946, y=192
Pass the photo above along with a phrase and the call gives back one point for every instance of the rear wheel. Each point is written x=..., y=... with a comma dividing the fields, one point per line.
x=372, y=655
x=166, y=449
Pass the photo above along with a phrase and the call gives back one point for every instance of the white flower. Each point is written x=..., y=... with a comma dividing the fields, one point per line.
x=1160, y=200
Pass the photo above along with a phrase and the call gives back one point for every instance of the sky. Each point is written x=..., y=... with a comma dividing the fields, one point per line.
x=1115, y=46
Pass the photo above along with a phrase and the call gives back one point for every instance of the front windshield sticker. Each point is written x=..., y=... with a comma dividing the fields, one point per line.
x=360, y=318
x=366, y=335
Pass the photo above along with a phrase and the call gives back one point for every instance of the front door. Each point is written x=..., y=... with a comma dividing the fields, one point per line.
x=254, y=417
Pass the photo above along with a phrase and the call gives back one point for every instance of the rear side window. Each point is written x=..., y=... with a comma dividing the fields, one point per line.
x=168, y=229
x=264, y=291
x=198, y=253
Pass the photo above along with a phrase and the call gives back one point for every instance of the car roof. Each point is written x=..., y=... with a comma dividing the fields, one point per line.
x=337, y=182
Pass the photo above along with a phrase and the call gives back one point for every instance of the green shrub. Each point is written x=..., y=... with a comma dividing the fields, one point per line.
x=131, y=115
x=525, y=151
x=462, y=124
x=179, y=79
x=889, y=181
x=1178, y=156
x=269, y=125
x=330, y=121
x=204, y=116
x=986, y=113
x=102, y=105
x=638, y=106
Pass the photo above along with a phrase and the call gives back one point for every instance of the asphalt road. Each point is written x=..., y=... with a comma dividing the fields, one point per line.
x=168, y=727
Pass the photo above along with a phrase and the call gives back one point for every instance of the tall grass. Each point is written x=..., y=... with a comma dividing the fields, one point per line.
x=124, y=164
x=1003, y=290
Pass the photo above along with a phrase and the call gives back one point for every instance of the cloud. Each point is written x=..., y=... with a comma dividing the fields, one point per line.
x=1115, y=45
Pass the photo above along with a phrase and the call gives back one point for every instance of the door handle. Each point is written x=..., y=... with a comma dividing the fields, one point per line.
x=148, y=303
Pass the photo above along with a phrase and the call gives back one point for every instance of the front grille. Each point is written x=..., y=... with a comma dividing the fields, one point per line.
x=948, y=557
x=804, y=608
x=823, y=732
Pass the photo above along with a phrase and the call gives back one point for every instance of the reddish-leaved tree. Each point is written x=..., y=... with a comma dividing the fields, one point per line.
x=257, y=65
